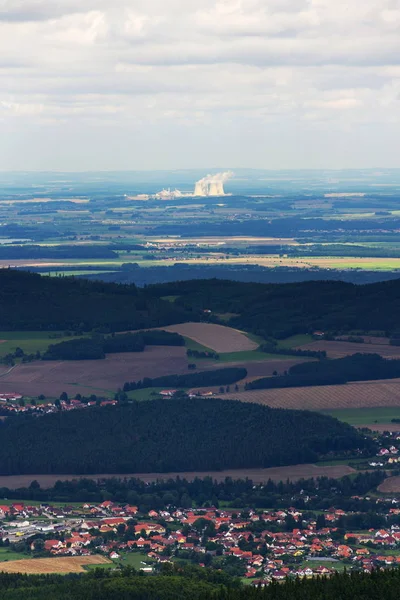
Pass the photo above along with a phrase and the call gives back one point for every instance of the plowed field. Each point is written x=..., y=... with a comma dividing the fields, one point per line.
x=340, y=349
x=351, y=395
x=216, y=337
x=64, y=564
x=51, y=378
x=293, y=472
x=390, y=485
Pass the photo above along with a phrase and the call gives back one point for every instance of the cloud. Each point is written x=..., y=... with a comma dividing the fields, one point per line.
x=247, y=68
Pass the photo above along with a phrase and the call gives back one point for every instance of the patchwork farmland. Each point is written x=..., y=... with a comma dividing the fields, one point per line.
x=53, y=377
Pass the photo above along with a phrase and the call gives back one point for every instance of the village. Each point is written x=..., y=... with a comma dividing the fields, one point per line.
x=256, y=545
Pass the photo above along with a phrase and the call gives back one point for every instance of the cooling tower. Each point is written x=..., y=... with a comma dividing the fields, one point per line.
x=220, y=189
x=213, y=189
x=199, y=189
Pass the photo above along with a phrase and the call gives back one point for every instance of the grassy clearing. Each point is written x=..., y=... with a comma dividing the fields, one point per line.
x=295, y=340
x=136, y=560
x=365, y=416
x=225, y=317
x=169, y=298
x=6, y=554
x=145, y=394
x=329, y=564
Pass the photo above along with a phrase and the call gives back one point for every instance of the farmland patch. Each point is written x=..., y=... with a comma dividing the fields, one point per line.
x=292, y=472
x=341, y=349
x=37, y=566
x=217, y=337
x=351, y=395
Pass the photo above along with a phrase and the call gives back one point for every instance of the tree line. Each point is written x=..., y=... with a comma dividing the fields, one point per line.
x=357, y=367
x=98, y=346
x=314, y=494
x=190, y=380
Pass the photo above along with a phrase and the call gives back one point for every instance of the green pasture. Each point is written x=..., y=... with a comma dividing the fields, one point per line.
x=169, y=298
x=365, y=416
x=29, y=341
x=295, y=340
x=135, y=559
x=6, y=554
x=145, y=394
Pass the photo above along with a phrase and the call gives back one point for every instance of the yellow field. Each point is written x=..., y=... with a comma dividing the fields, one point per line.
x=351, y=395
x=64, y=564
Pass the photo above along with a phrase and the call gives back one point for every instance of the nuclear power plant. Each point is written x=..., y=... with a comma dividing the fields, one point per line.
x=212, y=185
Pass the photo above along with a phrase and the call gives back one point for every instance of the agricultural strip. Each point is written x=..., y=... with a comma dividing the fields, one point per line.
x=293, y=473
x=340, y=349
x=351, y=395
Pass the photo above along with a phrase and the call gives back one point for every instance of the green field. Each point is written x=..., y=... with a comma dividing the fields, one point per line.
x=329, y=564
x=192, y=345
x=6, y=555
x=29, y=341
x=145, y=394
x=295, y=340
x=365, y=416
x=136, y=560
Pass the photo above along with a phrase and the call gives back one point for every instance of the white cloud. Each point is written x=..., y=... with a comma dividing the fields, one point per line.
x=249, y=69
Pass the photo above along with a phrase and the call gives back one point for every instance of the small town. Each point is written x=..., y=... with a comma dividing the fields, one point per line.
x=257, y=545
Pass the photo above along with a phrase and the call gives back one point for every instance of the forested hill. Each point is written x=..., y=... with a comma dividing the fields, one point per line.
x=185, y=582
x=31, y=302
x=171, y=435
x=280, y=310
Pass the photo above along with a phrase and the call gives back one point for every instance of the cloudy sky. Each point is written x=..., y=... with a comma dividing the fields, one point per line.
x=143, y=84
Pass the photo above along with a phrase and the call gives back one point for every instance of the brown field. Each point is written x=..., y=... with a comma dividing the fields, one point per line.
x=64, y=564
x=53, y=377
x=293, y=472
x=340, y=349
x=390, y=485
x=351, y=395
x=381, y=426
x=216, y=337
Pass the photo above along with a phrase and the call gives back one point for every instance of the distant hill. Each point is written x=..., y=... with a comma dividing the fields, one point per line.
x=170, y=435
x=281, y=310
x=30, y=302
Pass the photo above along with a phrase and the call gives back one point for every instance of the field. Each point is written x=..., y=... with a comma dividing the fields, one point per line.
x=361, y=394
x=340, y=349
x=37, y=566
x=270, y=261
x=29, y=341
x=217, y=337
x=292, y=472
x=390, y=485
x=8, y=555
x=375, y=418
x=51, y=378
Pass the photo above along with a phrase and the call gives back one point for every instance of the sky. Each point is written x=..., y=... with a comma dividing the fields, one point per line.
x=171, y=84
